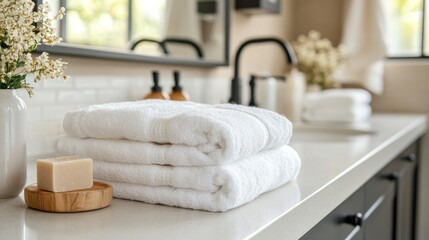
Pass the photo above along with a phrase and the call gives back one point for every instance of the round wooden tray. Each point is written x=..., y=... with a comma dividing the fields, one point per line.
x=99, y=196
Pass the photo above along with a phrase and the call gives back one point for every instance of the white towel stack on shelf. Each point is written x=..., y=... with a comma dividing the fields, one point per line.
x=337, y=105
x=208, y=157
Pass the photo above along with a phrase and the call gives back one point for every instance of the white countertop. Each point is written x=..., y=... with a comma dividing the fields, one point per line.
x=331, y=171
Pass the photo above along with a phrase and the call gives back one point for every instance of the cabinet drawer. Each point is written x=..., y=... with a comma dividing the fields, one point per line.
x=389, y=175
x=386, y=204
x=334, y=225
x=379, y=184
x=379, y=218
x=406, y=169
x=409, y=154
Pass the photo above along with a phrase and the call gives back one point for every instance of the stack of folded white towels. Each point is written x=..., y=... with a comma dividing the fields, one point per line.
x=207, y=157
x=337, y=105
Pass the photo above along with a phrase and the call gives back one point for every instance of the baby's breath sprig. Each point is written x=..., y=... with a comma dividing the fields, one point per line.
x=21, y=30
x=318, y=59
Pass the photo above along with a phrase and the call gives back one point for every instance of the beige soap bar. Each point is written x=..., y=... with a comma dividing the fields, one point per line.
x=64, y=174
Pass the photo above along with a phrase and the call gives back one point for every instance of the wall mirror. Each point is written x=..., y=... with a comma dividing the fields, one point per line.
x=189, y=32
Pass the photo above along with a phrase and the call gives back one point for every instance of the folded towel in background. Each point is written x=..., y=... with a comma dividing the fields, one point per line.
x=234, y=131
x=337, y=98
x=350, y=114
x=211, y=188
x=337, y=105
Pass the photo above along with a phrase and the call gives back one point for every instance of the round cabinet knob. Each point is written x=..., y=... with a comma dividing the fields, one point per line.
x=355, y=220
x=410, y=157
x=393, y=176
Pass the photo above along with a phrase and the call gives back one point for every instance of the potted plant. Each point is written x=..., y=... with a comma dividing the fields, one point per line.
x=318, y=59
x=21, y=30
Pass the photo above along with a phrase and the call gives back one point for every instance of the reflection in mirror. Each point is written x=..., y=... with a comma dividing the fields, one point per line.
x=165, y=29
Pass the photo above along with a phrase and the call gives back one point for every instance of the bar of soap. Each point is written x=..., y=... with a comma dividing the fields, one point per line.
x=64, y=174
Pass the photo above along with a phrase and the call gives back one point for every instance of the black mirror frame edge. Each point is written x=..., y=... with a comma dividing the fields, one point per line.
x=100, y=53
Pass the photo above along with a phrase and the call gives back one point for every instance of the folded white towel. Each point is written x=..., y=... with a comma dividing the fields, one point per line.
x=211, y=188
x=336, y=98
x=339, y=114
x=127, y=151
x=223, y=132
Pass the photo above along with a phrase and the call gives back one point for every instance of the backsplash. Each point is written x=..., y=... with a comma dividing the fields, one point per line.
x=54, y=98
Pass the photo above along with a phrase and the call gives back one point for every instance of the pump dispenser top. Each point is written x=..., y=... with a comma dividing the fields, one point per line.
x=157, y=92
x=177, y=92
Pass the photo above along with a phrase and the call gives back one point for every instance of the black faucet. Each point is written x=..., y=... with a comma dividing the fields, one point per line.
x=163, y=45
x=252, y=84
x=235, y=83
x=189, y=42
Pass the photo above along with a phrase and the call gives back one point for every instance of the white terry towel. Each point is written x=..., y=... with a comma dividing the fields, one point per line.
x=224, y=132
x=336, y=98
x=211, y=188
x=127, y=151
x=341, y=114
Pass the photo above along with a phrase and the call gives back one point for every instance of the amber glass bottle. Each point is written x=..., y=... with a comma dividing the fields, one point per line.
x=177, y=92
x=157, y=92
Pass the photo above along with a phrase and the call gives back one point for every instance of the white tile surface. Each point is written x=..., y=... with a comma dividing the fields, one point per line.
x=77, y=96
x=41, y=97
x=56, y=112
x=58, y=84
x=92, y=82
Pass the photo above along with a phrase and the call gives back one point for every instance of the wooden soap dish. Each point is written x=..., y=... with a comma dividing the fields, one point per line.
x=99, y=196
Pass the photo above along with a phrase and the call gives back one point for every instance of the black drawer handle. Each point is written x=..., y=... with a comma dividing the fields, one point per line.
x=355, y=219
x=410, y=157
x=393, y=176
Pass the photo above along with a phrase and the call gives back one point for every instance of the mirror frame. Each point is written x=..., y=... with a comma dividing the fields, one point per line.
x=106, y=53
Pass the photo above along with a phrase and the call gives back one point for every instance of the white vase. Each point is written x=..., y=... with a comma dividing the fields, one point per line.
x=13, y=143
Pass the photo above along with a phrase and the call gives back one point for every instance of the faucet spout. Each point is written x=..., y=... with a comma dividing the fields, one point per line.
x=235, y=83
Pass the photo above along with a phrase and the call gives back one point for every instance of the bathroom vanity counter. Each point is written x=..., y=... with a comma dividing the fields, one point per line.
x=333, y=168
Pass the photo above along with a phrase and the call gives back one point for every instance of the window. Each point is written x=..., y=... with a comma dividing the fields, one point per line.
x=111, y=23
x=100, y=23
x=407, y=31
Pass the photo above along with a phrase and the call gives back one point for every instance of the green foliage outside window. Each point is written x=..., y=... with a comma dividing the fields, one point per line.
x=404, y=32
x=97, y=22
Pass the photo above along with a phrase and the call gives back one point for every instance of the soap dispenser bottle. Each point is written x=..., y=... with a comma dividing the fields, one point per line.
x=157, y=92
x=177, y=92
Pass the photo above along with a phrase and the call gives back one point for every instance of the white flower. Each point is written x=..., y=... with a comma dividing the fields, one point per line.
x=314, y=35
x=21, y=31
x=317, y=58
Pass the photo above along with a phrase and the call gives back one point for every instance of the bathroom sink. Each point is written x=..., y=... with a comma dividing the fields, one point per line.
x=321, y=133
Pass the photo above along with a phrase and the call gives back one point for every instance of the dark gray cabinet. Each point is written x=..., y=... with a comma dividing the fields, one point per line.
x=334, y=225
x=406, y=187
x=380, y=194
x=383, y=208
